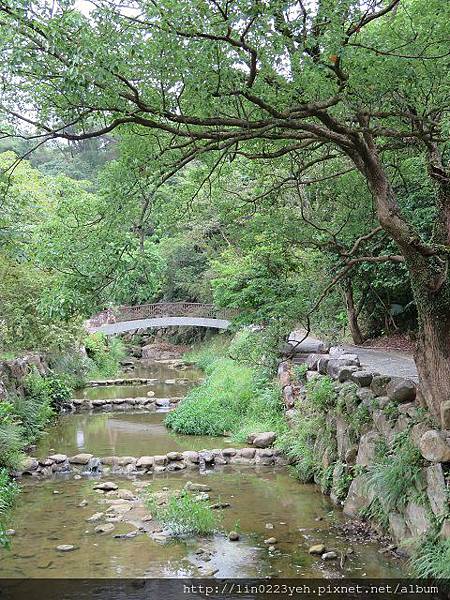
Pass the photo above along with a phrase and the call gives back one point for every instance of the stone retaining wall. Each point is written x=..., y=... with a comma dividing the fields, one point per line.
x=392, y=408
x=172, y=461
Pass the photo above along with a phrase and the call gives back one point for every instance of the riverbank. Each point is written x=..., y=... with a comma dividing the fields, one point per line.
x=365, y=439
x=76, y=505
x=34, y=389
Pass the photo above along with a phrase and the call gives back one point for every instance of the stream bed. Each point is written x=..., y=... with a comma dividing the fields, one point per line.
x=264, y=502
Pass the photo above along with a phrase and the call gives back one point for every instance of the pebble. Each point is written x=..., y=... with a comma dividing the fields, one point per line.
x=126, y=536
x=201, y=497
x=197, y=487
x=83, y=503
x=95, y=517
x=208, y=572
x=56, y=492
x=65, y=547
x=329, y=555
x=317, y=549
x=105, y=528
x=45, y=565
x=269, y=525
x=10, y=532
x=233, y=536
x=271, y=541
x=125, y=495
x=106, y=486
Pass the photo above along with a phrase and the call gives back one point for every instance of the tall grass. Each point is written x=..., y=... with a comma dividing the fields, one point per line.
x=432, y=559
x=397, y=474
x=233, y=399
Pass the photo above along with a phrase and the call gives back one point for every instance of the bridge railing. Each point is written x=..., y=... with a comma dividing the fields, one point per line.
x=161, y=310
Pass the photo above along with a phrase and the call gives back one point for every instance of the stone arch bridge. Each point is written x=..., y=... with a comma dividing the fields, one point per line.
x=162, y=314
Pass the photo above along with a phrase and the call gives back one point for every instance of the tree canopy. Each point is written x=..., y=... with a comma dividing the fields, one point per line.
x=273, y=152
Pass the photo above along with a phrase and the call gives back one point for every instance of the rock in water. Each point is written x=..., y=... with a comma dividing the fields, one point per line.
x=65, y=547
x=105, y=528
x=197, y=487
x=95, y=517
x=106, y=486
x=233, y=536
x=81, y=459
x=125, y=495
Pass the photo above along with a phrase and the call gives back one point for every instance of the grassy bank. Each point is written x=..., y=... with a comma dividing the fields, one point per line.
x=238, y=396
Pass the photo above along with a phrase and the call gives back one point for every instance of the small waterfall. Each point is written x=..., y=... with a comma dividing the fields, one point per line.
x=94, y=466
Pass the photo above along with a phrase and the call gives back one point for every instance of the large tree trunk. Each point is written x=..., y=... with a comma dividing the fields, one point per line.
x=431, y=286
x=428, y=270
x=352, y=314
x=433, y=357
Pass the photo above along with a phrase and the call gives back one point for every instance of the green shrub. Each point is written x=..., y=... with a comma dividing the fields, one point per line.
x=377, y=513
x=8, y=492
x=11, y=444
x=258, y=348
x=74, y=365
x=105, y=353
x=299, y=373
x=341, y=485
x=397, y=474
x=23, y=418
x=204, y=355
x=184, y=515
x=298, y=444
x=321, y=393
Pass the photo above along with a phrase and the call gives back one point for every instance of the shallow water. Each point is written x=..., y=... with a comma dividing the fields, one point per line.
x=170, y=381
x=301, y=516
x=44, y=520
x=119, y=434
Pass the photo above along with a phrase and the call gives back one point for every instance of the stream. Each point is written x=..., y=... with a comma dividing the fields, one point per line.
x=264, y=502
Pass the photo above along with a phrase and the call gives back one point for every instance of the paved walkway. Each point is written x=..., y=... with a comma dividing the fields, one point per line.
x=386, y=362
